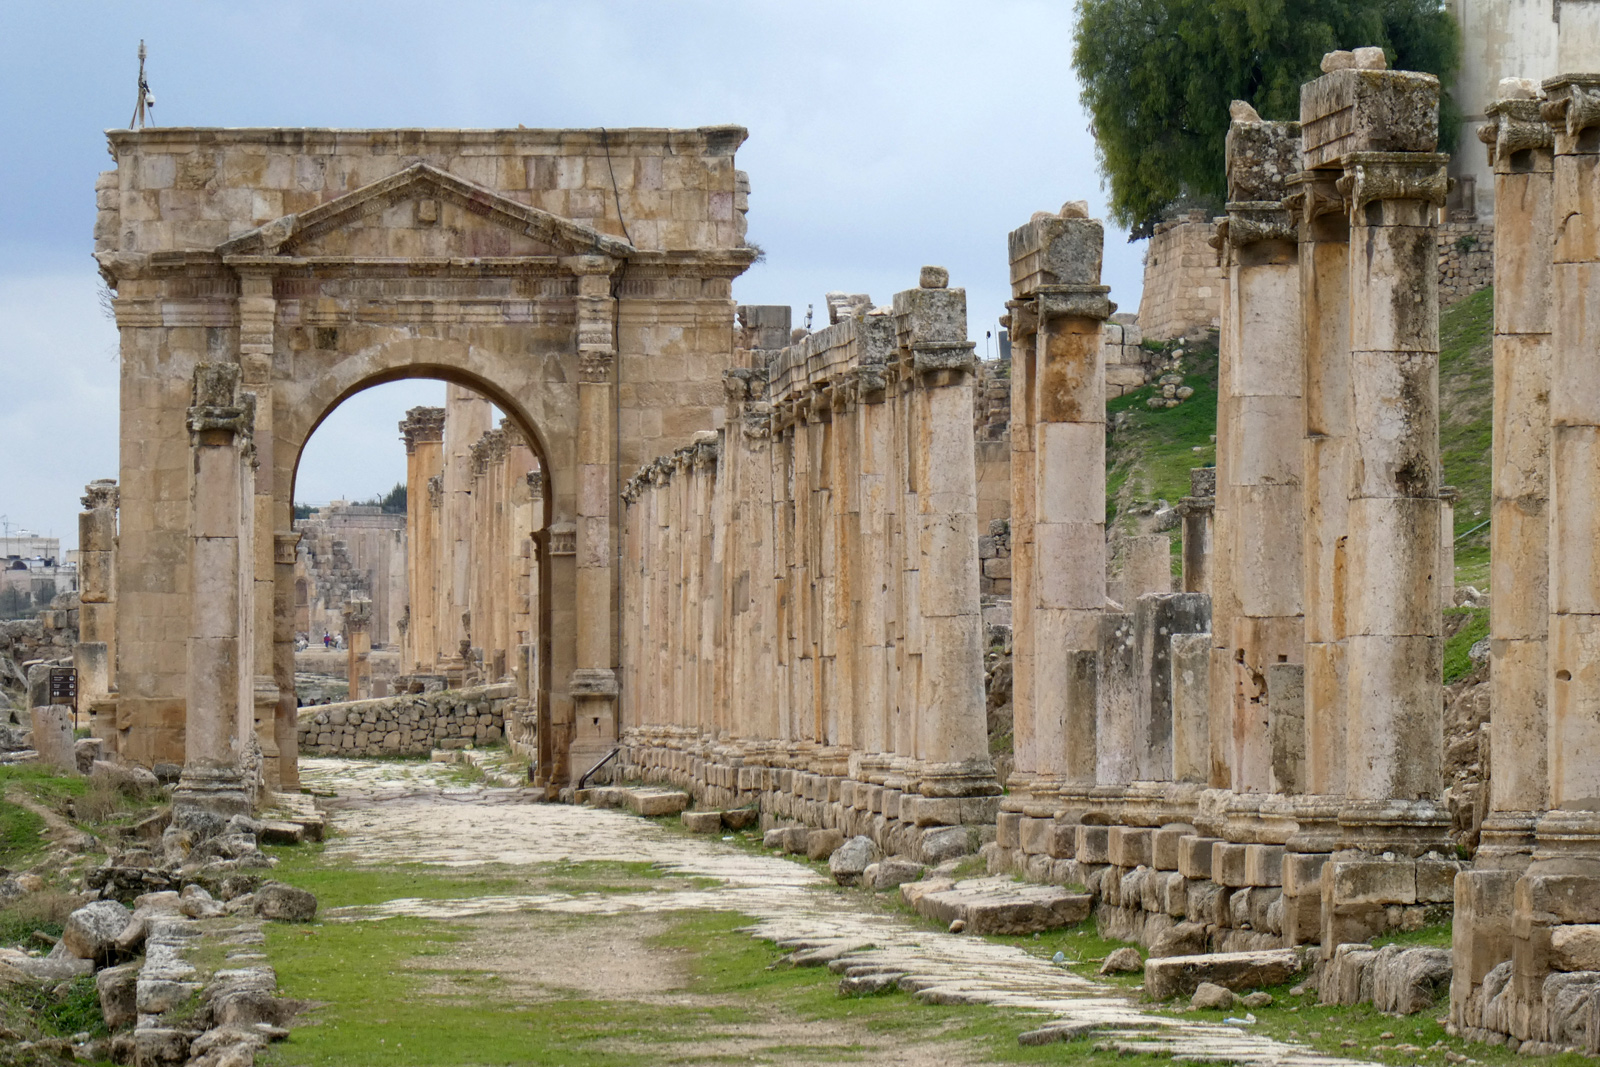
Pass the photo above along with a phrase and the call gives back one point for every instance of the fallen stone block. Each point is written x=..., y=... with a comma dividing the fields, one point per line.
x=285, y=903
x=91, y=931
x=116, y=986
x=703, y=822
x=281, y=833
x=773, y=838
x=740, y=818
x=1210, y=996
x=851, y=859
x=821, y=843
x=1001, y=906
x=655, y=802
x=158, y=1046
x=1174, y=976
x=895, y=871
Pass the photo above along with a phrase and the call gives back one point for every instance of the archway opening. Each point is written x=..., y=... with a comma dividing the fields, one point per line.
x=418, y=565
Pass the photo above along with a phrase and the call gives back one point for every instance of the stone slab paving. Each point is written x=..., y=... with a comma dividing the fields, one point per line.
x=389, y=810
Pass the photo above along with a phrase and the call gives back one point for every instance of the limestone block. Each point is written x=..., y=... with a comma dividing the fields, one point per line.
x=1093, y=845
x=1265, y=448
x=1394, y=693
x=1286, y=724
x=1070, y=490
x=1195, y=856
x=1227, y=864
x=1164, y=845
x=1554, y=899
x=52, y=737
x=1436, y=880
x=1396, y=411
x=1129, y=846
x=1037, y=835
x=1357, y=882
x=1302, y=919
x=702, y=822
x=1358, y=110
x=1481, y=922
x=1008, y=829
x=1191, y=699
x=1302, y=873
x=1575, y=947
x=1574, y=509
x=1063, y=840
x=1168, y=977
x=1263, y=865
x=1394, y=562
x=1268, y=557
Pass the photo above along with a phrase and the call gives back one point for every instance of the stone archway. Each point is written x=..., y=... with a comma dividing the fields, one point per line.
x=581, y=279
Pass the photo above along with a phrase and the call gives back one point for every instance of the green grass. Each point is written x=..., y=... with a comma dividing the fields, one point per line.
x=1434, y=935
x=40, y=1011
x=22, y=831
x=1457, y=663
x=1151, y=451
x=1466, y=400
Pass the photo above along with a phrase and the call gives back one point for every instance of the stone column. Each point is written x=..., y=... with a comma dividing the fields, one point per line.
x=95, y=654
x=952, y=738
x=1519, y=143
x=218, y=422
x=1196, y=509
x=422, y=430
x=1574, y=668
x=287, y=717
x=1055, y=266
x=358, y=648
x=1324, y=232
x=875, y=479
x=1261, y=339
x=593, y=683
x=1380, y=128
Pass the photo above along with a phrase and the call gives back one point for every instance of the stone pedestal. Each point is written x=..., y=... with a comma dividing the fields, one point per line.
x=1197, y=509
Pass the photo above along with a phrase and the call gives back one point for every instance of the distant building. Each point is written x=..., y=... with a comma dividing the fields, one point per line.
x=1535, y=39
x=33, y=573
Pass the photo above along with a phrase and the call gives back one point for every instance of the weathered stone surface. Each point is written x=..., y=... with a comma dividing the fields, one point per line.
x=116, y=988
x=702, y=822
x=1000, y=906
x=851, y=859
x=285, y=903
x=1172, y=976
x=821, y=843
x=1408, y=980
x=91, y=932
x=895, y=871
x=1209, y=996
x=1123, y=961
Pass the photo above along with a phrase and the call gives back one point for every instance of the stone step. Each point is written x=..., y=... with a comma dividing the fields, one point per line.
x=999, y=905
x=646, y=802
x=1178, y=976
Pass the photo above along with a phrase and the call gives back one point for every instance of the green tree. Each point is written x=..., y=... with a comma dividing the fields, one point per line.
x=1158, y=76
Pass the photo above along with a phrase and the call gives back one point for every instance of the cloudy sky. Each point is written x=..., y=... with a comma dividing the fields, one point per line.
x=883, y=136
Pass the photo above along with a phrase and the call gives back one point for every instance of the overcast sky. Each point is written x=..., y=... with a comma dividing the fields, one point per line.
x=883, y=136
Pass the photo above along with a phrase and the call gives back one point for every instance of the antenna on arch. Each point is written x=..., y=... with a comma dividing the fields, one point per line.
x=147, y=99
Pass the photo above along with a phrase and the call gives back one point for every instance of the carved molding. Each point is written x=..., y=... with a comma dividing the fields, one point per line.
x=1514, y=125
x=1370, y=176
x=957, y=356
x=1080, y=301
x=1253, y=221
x=1577, y=106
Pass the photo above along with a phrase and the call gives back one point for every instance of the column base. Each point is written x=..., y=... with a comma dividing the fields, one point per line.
x=969, y=778
x=1405, y=827
x=1507, y=840
x=206, y=788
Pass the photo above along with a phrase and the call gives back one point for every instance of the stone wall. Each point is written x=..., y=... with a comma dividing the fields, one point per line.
x=1182, y=279
x=1128, y=364
x=1466, y=260
x=411, y=725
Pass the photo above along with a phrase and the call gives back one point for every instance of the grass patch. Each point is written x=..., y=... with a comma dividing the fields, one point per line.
x=342, y=887
x=46, y=910
x=1466, y=402
x=1151, y=450
x=1434, y=935
x=1362, y=1031
x=39, y=1011
x=1457, y=663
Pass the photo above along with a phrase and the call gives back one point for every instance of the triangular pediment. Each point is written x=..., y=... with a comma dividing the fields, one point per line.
x=423, y=212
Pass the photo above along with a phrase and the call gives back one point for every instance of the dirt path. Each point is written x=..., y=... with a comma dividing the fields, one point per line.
x=537, y=945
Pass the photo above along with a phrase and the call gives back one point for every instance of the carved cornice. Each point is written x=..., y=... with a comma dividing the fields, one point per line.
x=1574, y=102
x=101, y=493
x=1314, y=193
x=1514, y=125
x=958, y=356
x=216, y=403
x=1080, y=301
x=1252, y=221
x=284, y=547
x=1370, y=176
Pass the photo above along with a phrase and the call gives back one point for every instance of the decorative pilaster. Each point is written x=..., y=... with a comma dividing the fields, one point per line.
x=95, y=654
x=287, y=716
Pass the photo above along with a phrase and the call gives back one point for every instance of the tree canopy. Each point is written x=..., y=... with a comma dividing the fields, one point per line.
x=1158, y=76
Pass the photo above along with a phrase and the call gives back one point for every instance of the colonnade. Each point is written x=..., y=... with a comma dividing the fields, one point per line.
x=803, y=586
x=1524, y=951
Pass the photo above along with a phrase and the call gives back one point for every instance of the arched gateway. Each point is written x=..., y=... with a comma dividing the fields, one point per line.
x=579, y=278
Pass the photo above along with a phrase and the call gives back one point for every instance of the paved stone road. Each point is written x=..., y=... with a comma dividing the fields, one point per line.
x=385, y=810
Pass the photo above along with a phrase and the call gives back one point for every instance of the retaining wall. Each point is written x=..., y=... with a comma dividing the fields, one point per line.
x=410, y=725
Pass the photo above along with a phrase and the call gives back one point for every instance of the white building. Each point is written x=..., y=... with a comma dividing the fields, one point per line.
x=1534, y=39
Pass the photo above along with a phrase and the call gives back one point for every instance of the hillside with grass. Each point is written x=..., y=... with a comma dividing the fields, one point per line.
x=1149, y=451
